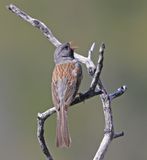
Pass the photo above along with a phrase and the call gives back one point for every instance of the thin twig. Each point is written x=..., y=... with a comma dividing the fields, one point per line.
x=98, y=68
x=91, y=50
x=118, y=93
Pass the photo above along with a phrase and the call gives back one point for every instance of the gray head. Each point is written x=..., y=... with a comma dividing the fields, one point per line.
x=63, y=53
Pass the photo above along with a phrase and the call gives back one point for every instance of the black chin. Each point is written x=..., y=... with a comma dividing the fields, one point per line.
x=72, y=55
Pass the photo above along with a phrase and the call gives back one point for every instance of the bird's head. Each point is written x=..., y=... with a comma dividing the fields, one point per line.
x=63, y=52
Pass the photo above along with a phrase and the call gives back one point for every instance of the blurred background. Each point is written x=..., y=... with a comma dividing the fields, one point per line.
x=26, y=64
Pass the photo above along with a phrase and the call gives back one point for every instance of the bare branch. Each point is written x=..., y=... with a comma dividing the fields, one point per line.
x=47, y=32
x=117, y=135
x=43, y=116
x=36, y=23
x=103, y=148
x=118, y=93
x=96, y=88
x=98, y=68
x=91, y=50
x=41, y=140
x=109, y=129
x=109, y=133
x=82, y=97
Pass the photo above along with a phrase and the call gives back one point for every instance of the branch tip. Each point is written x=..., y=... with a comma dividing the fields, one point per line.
x=120, y=91
x=117, y=135
x=39, y=115
x=102, y=48
x=92, y=47
x=124, y=88
x=91, y=50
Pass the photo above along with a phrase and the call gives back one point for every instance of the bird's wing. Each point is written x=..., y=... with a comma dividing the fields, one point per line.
x=64, y=83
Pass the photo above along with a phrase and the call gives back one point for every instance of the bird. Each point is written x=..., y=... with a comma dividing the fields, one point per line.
x=66, y=79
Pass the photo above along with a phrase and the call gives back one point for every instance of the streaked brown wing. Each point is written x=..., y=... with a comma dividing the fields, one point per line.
x=64, y=83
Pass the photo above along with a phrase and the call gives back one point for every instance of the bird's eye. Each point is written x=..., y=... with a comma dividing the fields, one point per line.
x=66, y=47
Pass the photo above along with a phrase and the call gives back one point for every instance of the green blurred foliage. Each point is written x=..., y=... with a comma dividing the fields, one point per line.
x=26, y=63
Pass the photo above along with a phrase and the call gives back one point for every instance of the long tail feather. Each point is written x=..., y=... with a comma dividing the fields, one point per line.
x=62, y=133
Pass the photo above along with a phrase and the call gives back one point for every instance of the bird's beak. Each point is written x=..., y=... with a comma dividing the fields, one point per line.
x=72, y=45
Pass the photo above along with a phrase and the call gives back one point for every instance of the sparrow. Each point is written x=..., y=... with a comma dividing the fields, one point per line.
x=66, y=79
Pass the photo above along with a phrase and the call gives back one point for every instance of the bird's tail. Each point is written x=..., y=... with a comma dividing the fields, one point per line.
x=62, y=133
